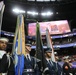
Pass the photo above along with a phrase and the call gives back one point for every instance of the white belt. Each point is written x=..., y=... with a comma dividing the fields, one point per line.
x=28, y=70
x=3, y=73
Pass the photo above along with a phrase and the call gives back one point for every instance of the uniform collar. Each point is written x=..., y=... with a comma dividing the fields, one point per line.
x=28, y=56
x=48, y=59
x=2, y=53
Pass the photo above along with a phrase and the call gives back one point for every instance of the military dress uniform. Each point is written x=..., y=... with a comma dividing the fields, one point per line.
x=52, y=67
x=30, y=66
x=58, y=68
x=3, y=62
x=6, y=64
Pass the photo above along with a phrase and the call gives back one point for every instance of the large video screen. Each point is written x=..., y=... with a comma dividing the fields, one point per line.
x=55, y=27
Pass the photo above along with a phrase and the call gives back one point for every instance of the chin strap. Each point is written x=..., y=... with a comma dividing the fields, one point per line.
x=26, y=48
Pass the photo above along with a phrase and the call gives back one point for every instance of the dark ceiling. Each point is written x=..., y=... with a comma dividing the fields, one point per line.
x=63, y=10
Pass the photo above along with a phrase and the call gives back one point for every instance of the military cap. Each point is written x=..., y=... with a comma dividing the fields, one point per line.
x=4, y=39
x=48, y=50
x=28, y=43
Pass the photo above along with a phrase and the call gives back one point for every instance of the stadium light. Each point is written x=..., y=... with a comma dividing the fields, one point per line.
x=32, y=13
x=47, y=13
x=17, y=10
x=43, y=14
x=53, y=0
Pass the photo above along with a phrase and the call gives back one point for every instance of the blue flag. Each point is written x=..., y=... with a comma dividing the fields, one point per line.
x=19, y=46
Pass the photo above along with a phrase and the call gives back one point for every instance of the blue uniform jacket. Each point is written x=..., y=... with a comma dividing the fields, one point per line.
x=58, y=68
x=30, y=67
x=52, y=68
x=4, y=68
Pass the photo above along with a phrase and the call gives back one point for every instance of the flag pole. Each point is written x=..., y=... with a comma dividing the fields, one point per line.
x=1, y=16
